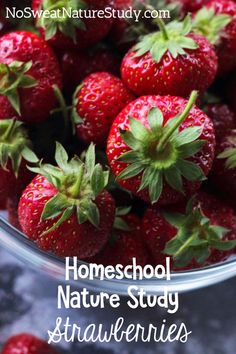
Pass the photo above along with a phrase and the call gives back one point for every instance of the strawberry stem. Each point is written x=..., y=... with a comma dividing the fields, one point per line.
x=192, y=100
x=162, y=26
x=8, y=133
x=62, y=103
x=75, y=189
x=185, y=246
x=159, y=22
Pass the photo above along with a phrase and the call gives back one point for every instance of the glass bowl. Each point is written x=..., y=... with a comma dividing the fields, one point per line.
x=25, y=250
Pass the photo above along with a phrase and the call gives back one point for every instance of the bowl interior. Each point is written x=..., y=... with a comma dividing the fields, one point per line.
x=28, y=252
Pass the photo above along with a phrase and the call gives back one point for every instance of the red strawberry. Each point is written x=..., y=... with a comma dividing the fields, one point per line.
x=217, y=21
x=231, y=92
x=14, y=152
x=160, y=148
x=222, y=116
x=126, y=32
x=172, y=61
x=29, y=69
x=12, y=211
x=79, y=33
x=120, y=26
x=3, y=202
x=65, y=209
x=205, y=234
x=224, y=168
x=97, y=102
x=27, y=344
x=187, y=6
x=76, y=66
x=125, y=243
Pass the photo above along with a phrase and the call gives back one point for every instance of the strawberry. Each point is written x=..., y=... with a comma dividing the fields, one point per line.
x=121, y=26
x=77, y=65
x=161, y=148
x=15, y=152
x=25, y=343
x=65, y=209
x=223, y=173
x=12, y=211
x=125, y=243
x=217, y=21
x=29, y=70
x=222, y=116
x=187, y=6
x=126, y=32
x=231, y=92
x=173, y=61
x=204, y=235
x=74, y=33
x=97, y=102
x=3, y=202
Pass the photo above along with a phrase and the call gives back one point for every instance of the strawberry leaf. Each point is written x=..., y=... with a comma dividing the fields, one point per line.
x=65, y=216
x=188, y=135
x=195, y=236
x=138, y=130
x=55, y=206
x=148, y=176
x=90, y=159
x=155, y=118
x=131, y=171
x=61, y=156
x=173, y=178
x=175, y=219
x=91, y=211
x=156, y=187
x=190, y=149
x=130, y=140
x=97, y=180
x=210, y=24
x=172, y=38
x=121, y=224
x=12, y=78
x=129, y=157
x=191, y=171
x=29, y=155
x=122, y=211
x=230, y=156
x=69, y=25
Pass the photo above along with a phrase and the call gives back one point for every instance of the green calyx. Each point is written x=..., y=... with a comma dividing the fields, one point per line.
x=75, y=118
x=78, y=183
x=159, y=153
x=14, y=145
x=209, y=24
x=60, y=19
x=120, y=223
x=137, y=29
x=12, y=77
x=229, y=155
x=195, y=237
x=171, y=38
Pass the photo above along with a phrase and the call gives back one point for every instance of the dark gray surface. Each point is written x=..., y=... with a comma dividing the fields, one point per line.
x=28, y=303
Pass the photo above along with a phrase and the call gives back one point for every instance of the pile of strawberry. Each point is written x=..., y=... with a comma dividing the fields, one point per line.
x=118, y=139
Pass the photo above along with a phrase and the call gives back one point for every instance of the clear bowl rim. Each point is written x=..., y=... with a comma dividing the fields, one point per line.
x=27, y=251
